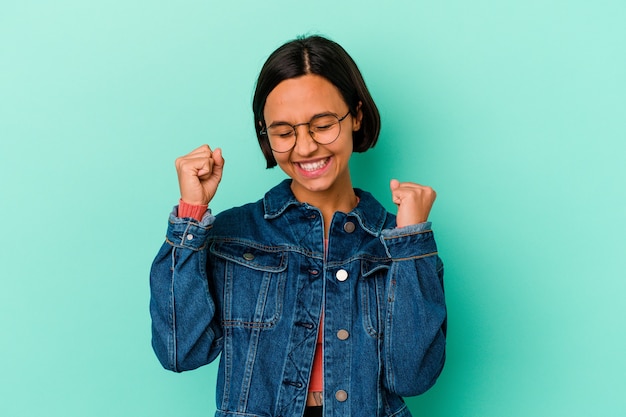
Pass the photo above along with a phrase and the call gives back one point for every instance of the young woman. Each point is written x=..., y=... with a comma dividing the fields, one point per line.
x=319, y=301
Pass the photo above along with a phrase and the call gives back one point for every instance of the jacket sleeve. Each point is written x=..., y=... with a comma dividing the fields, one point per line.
x=186, y=332
x=416, y=318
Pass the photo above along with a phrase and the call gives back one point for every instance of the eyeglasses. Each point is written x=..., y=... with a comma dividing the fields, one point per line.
x=324, y=129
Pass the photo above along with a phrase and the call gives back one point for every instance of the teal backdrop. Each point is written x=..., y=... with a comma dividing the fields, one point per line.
x=514, y=111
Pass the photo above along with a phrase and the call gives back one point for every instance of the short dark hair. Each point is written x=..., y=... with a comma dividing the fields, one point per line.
x=323, y=57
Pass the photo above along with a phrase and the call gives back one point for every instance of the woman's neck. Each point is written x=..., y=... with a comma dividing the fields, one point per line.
x=339, y=197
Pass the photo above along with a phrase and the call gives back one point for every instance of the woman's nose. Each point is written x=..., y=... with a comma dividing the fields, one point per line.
x=305, y=144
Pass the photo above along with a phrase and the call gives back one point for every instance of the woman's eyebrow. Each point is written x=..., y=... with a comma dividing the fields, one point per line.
x=282, y=122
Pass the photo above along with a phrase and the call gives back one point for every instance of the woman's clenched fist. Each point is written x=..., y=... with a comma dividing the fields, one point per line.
x=199, y=174
x=414, y=202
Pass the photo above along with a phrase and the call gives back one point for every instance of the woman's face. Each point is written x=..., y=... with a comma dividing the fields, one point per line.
x=314, y=168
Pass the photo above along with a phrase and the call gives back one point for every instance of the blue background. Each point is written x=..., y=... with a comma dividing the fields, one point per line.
x=514, y=111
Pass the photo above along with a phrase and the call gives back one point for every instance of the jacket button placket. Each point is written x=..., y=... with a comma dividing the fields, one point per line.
x=342, y=276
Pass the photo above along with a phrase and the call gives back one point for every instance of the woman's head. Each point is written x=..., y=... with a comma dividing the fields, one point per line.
x=323, y=57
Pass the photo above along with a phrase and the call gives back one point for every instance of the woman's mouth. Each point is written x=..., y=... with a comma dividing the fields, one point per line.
x=313, y=168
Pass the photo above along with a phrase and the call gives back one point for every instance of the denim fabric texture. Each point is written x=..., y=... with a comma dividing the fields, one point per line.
x=250, y=284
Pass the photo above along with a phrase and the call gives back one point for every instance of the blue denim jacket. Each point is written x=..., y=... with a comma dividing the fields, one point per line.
x=253, y=282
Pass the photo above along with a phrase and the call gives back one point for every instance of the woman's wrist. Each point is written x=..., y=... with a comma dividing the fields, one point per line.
x=195, y=211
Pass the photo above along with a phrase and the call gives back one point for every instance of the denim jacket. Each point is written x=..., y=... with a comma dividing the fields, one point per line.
x=253, y=282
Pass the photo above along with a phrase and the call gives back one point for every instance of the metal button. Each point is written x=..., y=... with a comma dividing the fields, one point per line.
x=248, y=256
x=343, y=334
x=349, y=227
x=189, y=236
x=341, y=395
x=342, y=275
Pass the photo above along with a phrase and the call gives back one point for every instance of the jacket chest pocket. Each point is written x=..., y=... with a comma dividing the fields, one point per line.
x=373, y=296
x=253, y=284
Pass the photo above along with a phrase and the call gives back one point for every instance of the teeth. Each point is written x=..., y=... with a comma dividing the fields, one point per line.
x=313, y=166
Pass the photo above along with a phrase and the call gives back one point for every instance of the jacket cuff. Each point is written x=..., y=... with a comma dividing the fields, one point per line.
x=409, y=242
x=188, y=232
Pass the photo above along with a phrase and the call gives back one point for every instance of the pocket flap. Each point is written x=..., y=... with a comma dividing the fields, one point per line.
x=368, y=267
x=246, y=254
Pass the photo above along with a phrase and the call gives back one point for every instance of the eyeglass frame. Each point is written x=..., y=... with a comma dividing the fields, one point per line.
x=312, y=134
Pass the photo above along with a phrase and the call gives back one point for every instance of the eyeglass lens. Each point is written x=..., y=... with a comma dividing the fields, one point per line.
x=323, y=129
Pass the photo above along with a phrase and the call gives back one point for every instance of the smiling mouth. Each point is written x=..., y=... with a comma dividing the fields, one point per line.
x=313, y=166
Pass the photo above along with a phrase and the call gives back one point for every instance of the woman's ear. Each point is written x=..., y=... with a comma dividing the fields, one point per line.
x=356, y=120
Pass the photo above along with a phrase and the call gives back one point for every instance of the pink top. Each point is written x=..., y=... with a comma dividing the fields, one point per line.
x=316, y=384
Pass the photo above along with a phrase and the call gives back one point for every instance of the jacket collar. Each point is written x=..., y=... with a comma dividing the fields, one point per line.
x=369, y=212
